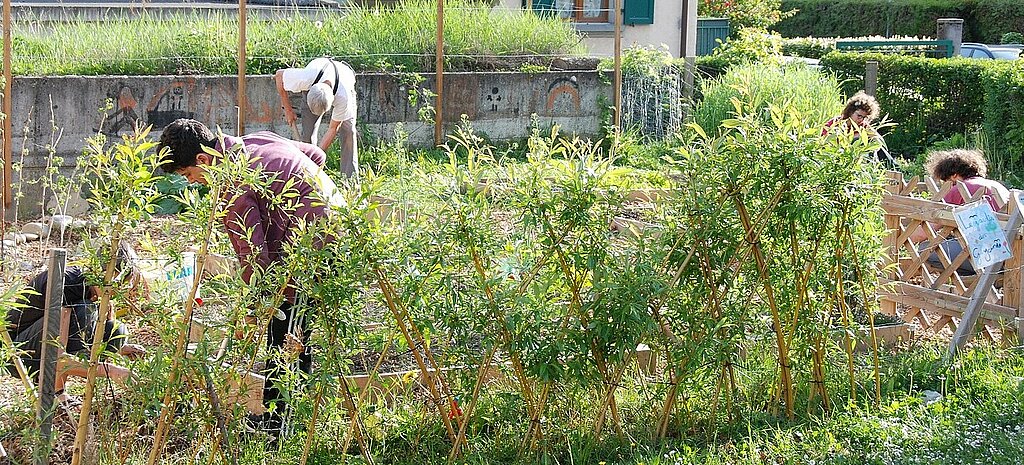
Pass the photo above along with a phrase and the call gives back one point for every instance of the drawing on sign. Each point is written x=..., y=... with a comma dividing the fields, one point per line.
x=985, y=239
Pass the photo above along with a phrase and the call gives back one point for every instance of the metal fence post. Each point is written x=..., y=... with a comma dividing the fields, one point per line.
x=50, y=350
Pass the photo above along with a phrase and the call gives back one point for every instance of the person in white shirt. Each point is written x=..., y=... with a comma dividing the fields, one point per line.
x=328, y=84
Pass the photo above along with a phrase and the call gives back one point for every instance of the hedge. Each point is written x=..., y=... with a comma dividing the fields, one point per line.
x=932, y=100
x=984, y=20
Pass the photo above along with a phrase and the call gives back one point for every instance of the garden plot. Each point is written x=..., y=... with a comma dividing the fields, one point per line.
x=735, y=292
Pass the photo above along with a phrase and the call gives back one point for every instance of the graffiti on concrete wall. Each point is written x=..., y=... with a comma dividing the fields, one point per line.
x=494, y=98
x=563, y=96
x=122, y=116
x=170, y=103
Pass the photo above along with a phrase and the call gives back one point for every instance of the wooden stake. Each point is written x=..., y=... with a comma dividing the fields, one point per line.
x=167, y=411
x=439, y=78
x=871, y=315
x=464, y=422
x=242, y=103
x=844, y=309
x=415, y=346
x=780, y=338
x=94, y=354
x=8, y=108
x=617, y=121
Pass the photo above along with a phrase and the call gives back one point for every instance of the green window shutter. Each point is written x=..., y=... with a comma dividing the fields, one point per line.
x=638, y=12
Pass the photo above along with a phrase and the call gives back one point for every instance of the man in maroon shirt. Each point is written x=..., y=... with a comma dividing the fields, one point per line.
x=260, y=222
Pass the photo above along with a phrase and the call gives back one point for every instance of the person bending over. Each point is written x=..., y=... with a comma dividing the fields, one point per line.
x=967, y=167
x=25, y=325
x=328, y=84
x=258, y=223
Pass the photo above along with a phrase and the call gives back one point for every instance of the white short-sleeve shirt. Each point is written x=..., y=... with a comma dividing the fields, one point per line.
x=301, y=79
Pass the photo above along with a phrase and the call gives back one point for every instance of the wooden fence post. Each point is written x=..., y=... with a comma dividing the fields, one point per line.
x=7, y=109
x=49, y=351
x=242, y=98
x=871, y=78
x=892, y=224
x=1013, y=282
x=439, y=78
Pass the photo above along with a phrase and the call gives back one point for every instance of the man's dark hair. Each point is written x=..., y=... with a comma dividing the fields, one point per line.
x=184, y=139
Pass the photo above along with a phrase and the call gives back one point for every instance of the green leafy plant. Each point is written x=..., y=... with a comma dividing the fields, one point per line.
x=1012, y=38
x=401, y=33
x=809, y=92
x=749, y=45
x=744, y=13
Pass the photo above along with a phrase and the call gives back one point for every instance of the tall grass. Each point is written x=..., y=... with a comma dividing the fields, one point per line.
x=814, y=95
x=402, y=35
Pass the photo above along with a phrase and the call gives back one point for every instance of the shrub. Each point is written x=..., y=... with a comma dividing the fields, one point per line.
x=932, y=100
x=1012, y=38
x=750, y=45
x=743, y=13
x=984, y=20
x=814, y=95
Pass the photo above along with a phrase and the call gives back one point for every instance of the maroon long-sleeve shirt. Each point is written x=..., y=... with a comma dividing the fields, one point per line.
x=258, y=228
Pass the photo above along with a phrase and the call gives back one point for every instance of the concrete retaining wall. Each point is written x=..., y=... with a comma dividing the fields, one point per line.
x=500, y=106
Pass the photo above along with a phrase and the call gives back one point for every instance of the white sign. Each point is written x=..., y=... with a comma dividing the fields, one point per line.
x=985, y=239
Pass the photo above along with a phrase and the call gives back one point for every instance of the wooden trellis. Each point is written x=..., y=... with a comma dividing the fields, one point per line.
x=936, y=295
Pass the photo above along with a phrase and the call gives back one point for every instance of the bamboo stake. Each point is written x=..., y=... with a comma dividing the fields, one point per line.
x=780, y=337
x=97, y=343
x=242, y=100
x=668, y=405
x=350, y=405
x=534, y=433
x=617, y=96
x=218, y=413
x=311, y=429
x=402, y=319
x=505, y=337
x=353, y=419
x=609, y=399
x=167, y=411
x=871, y=317
x=482, y=370
x=844, y=310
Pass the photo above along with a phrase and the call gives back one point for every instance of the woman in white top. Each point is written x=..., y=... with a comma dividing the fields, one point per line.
x=327, y=84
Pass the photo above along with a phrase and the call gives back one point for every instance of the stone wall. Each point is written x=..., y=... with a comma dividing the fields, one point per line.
x=500, y=105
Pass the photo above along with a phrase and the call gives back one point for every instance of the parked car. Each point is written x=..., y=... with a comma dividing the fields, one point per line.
x=991, y=52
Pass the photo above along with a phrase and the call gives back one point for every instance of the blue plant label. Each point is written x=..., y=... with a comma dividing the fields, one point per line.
x=980, y=228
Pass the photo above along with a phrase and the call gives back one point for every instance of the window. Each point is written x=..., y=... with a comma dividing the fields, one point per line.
x=583, y=11
x=597, y=11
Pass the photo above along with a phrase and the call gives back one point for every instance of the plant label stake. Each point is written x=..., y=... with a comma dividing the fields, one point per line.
x=987, y=279
x=49, y=352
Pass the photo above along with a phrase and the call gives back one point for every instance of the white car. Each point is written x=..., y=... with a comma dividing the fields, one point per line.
x=990, y=52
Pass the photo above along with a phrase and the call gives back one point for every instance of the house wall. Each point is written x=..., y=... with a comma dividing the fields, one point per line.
x=666, y=32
